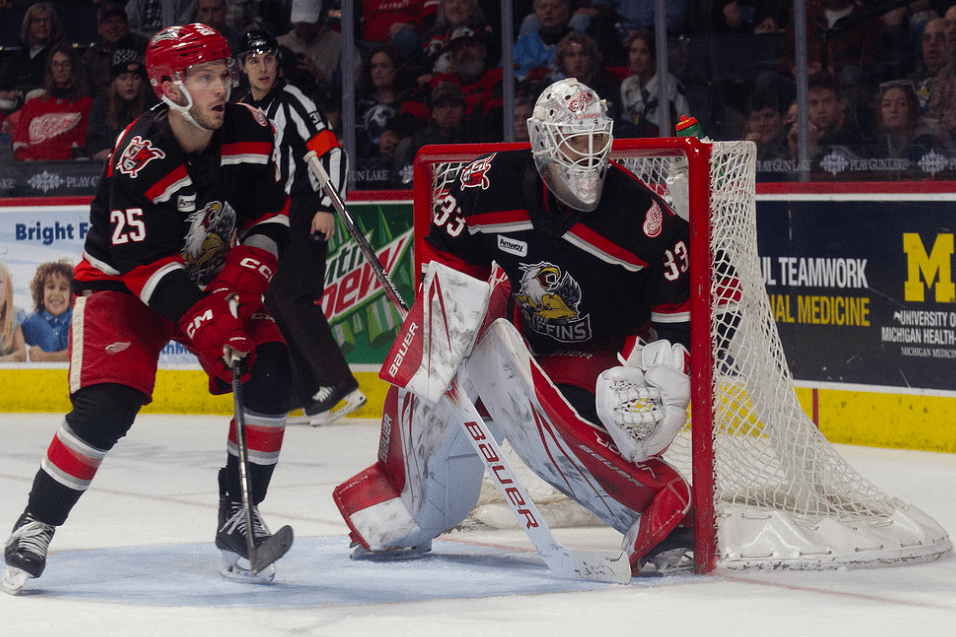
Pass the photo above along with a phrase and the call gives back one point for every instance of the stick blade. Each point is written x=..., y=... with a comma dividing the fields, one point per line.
x=272, y=549
x=593, y=566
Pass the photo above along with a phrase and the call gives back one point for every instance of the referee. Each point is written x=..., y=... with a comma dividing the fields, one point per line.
x=323, y=385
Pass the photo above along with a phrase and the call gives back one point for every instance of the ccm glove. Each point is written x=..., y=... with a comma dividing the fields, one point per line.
x=246, y=274
x=211, y=328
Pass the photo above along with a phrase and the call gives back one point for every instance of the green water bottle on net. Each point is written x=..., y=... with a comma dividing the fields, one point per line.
x=689, y=127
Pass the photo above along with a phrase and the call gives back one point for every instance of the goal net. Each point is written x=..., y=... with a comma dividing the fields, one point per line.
x=769, y=490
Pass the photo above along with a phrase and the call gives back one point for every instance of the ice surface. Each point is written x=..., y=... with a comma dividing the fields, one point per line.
x=136, y=558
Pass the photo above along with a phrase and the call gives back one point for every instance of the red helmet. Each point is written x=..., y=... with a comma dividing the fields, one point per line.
x=175, y=49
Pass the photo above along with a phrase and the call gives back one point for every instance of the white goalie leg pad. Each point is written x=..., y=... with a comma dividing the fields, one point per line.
x=425, y=482
x=543, y=428
x=438, y=332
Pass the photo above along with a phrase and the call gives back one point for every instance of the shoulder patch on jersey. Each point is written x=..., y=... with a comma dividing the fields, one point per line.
x=654, y=221
x=475, y=174
x=512, y=246
x=257, y=115
x=136, y=155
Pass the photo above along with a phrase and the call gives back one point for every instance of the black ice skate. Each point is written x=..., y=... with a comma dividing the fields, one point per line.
x=331, y=403
x=231, y=541
x=25, y=552
x=673, y=556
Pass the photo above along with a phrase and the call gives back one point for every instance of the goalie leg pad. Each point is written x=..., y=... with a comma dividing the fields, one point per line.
x=426, y=480
x=668, y=508
x=570, y=453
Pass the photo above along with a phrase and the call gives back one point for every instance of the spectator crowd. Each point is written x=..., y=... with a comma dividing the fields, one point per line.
x=881, y=94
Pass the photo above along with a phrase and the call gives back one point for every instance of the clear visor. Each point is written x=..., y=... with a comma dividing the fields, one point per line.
x=219, y=74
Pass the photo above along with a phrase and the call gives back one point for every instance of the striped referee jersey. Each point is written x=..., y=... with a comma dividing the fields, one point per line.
x=300, y=127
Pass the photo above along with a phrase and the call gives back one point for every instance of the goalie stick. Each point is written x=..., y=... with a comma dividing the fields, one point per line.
x=591, y=565
x=279, y=543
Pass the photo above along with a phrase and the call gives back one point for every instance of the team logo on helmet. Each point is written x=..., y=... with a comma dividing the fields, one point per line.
x=137, y=154
x=475, y=174
x=549, y=300
x=580, y=101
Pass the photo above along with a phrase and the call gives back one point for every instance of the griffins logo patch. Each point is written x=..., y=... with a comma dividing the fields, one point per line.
x=474, y=175
x=138, y=153
x=549, y=298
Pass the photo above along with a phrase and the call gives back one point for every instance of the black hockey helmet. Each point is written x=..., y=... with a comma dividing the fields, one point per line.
x=256, y=41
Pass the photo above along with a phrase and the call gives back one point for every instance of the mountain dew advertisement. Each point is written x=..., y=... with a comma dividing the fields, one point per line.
x=362, y=318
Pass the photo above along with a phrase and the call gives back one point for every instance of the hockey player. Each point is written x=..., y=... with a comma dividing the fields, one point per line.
x=597, y=266
x=189, y=215
x=321, y=375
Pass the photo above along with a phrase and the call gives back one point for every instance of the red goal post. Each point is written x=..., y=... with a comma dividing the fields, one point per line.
x=769, y=490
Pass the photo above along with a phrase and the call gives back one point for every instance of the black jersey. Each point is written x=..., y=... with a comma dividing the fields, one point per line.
x=575, y=276
x=162, y=221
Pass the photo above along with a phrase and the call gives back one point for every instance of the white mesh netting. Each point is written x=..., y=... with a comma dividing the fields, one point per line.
x=783, y=497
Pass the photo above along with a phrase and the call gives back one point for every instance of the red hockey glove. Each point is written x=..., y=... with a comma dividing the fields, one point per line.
x=211, y=327
x=246, y=274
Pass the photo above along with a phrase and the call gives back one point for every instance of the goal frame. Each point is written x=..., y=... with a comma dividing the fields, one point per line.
x=697, y=154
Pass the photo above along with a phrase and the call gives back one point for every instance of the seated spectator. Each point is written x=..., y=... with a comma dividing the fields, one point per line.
x=41, y=29
x=767, y=126
x=578, y=56
x=12, y=346
x=213, y=13
x=534, y=52
x=448, y=126
x=398, y=22
x=951, y=32
x=636, y=15
x=901, y=132
x=317, y=48
x=640, y=92
x=750, y=16
x=126, y=98
x=112, y=25
x=831, y=122
x=941, y=110
x=148, y=17
x=934, y=55
x=376, y=107
x=845, y=55
x=52, y=126
x=47, y=329
x=524, y=106
x=580, y=21
x=451, y=15
x=482, y=88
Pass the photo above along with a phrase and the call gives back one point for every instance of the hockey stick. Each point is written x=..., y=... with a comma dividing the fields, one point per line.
x=592, y=565
x=279, y=543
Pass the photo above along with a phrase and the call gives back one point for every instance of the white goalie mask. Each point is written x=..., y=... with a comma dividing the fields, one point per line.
x=571, y=141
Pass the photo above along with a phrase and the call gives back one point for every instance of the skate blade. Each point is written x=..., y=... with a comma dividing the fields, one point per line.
x=236, y=569
x=14, y=579
x=346, y=406
x=361, y=553
x=673, y=562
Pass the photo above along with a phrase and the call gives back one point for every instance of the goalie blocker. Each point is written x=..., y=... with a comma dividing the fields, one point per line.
x=427, y=476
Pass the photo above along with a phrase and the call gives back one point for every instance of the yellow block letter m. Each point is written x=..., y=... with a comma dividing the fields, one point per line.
x=938, y=266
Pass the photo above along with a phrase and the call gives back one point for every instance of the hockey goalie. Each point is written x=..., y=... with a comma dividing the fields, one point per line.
x=557, y=297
